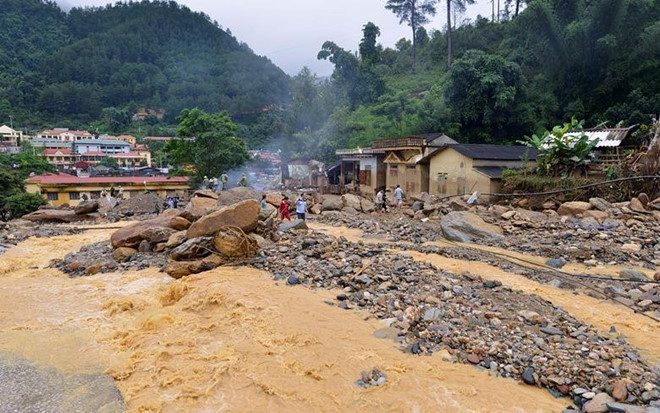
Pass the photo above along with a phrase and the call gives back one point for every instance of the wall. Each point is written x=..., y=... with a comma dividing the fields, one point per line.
x=461, y=178
x=64, y=191
x=409, y=177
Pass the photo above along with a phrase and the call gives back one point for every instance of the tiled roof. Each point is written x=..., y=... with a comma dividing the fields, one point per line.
x=75, y=180
x=55, y=151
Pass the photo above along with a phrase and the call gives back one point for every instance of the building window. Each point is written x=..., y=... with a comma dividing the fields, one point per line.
x=74, y=196
x=95, y=194
x=394, y=171
x=52, y=196
x=411, y=167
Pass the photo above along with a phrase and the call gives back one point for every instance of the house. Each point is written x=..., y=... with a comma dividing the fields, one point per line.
x=60, y=157
x=9, y=139
x=407, y=159
x=108, y=147
x=44, y=143
x=124, y=138
x=65, y=135
x=60, y=189
x=131, y=159
x=362, y=169
x=612, y=145
x=459, y=169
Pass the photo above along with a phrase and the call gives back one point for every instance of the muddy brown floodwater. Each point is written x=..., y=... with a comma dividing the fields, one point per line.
x=226, y=340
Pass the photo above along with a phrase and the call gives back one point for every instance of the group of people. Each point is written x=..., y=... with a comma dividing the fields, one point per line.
x=381, y=198
x=172, y=202
x=284, y=209
x=114, y=193
x=215, y=185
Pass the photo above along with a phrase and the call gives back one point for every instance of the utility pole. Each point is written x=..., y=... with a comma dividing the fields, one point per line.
x=493, y=4
x=498, y=11
x=11, y=121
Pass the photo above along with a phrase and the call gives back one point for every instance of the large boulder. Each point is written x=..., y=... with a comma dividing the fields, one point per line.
x=266, y=213
x=192, y=248
x=232, y=244
x=467, y=227
x=156, y=235
x=573, y=208
x=531, y=216
x=176, y=239
x=179, y=223
x=55, y=215
x=332, y=203
x=132, y=235
x=86, y=207
x=274, y=199
x=198, y=207
x=237, y=194
x=178, y=269
x=367, y=206
x=296, y=224
x=244, y=215
x=206, y=193
x=600, y=204
x=123, y=254
x=351, y=201
x=637, y=206
x=106, y=204
x=144, y=203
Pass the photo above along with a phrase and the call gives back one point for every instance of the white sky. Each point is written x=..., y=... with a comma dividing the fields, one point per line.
x=290, y=32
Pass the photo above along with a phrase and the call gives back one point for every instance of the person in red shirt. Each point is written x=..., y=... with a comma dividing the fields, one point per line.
x=284, y=209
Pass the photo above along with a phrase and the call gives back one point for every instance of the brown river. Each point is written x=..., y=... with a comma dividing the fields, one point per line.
x=234, y=340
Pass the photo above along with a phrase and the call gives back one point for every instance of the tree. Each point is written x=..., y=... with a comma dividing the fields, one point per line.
x=414, y=12
x=14, y=202
x=213, y=147
x=369, y=51
x=461, y=5
x=109, y=162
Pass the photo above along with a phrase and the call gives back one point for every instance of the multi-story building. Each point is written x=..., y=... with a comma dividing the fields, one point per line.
x=65, y=135
x=124, y=138
x=9, y=139
x=108, y=147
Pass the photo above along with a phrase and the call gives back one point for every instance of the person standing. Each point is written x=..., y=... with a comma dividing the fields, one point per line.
x=398, y=196
x=284, y=209
x=264, y=203
x=379, y=200
x=112, y=191
x=224, y=178
x=205, y=182
x=120, y=195
x=301, y=207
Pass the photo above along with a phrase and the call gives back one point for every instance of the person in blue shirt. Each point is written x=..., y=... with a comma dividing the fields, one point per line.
x=301, y=207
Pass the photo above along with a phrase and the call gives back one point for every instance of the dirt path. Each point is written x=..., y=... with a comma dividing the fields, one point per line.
x=229, y=339
x=641, y=332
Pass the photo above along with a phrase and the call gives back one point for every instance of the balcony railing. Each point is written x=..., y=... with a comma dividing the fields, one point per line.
x=398, y=143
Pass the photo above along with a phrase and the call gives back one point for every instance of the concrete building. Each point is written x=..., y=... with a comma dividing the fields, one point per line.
x=60, y=189
x=463, y=169
x=108, y=147
x=407, y=159
x=65, y=135
x=363, y=166
x=59, y=157
x=9, y=139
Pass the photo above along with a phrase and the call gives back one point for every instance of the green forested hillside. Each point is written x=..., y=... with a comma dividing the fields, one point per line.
x=155, y=54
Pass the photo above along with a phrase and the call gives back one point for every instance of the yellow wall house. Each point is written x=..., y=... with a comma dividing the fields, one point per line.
x=60, y=189
x=407, y=160
x=464, y=169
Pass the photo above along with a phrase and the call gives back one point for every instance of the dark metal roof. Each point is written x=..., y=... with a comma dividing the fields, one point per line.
x=495, y=152
x=493, y=172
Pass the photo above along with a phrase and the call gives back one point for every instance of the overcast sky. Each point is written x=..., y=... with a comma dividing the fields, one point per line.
x=291, y=32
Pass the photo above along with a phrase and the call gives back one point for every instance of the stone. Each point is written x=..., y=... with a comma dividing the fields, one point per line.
x=631, y=247
x=549, y=205
x=176, y=239
x=296, y=224
x=179, y=223
x=106, y=204
x=596, y=214
x=86, y=207
x=467, y=227
x=458, y=205
x=417, y=206
x=636, y=205
x=274, y=199
x=350, y=211
x=140, y=204
x=598, y=404
x=600, y=204
x=237, y=195
x=556, y=262
x=630, y=273
x=332, y=203
x=243, y=215
x=123, y=254
x=625, y=408
x=367, y=206
x=179, y=269
x=205, y=193
x=155, y=235
x=553, y=331
x=231, y=243
x=573, y=208
x=193, y=248
x=619, y=391
x=55, y=215
x=260, y=241
x=508, y=215
x=316, y=209
x=132, y=235
x=351, y=201
x=198, y=207
x=528, y=376
x=643, y=198
x=531, y=316
x=473, y=358
x=265, y=213
x=293, y=280
x=531, y=216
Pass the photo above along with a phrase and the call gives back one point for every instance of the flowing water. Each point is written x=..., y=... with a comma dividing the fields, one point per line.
x=234, y=340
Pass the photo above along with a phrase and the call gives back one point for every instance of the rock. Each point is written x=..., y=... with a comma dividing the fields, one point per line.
x=549, y=205
x=55, y=215
x=631, y=247
x=508, y=215
x=178, y=269
x=155, y=235
x=145, y=246
x=243, y=215
x=122, y=254
x=214, y=261
x=598, y=404
x=315, y=209
x=270, y=211
x=86, y=207
x=296, y=224
x=600, y=204
x=106, y=204
x=176, y=239
x=528, y=376
x=205, y=193
x=417, y=206
x=193, y=248
x=553, y=331
x=260, y=241
x=619, y=391
x=573, y=208
x=625, y=408
x=531, y=216
x=332, y=203
x=142, y=204
x=198, y=207
x=473, y=358
x=350, y=211
x=643, y=198
x=293, y=280
x=351, y=201
x=132, y=235
x=274, y=199
x=467, y=227
x=236, y=195
x=637, y=206
x=367, y=206
x=633, y=274
x=596, y=214
x=231, y=243
x=556, y=262
x=179, y=223
x=531, y=316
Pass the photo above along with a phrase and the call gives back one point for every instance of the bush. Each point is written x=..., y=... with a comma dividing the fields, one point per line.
x=17, y=205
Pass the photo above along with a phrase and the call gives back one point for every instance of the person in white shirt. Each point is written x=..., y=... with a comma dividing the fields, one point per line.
x=379, y=200
x=398, y=195
x=301, y=207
